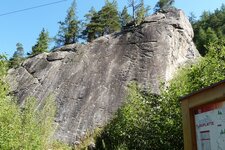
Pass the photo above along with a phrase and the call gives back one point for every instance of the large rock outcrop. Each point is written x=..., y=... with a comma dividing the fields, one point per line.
x=89, y=81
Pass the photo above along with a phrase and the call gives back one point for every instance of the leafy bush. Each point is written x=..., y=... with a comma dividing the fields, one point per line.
x=57, y=145
x=26, y=127
x=132, y=126
x=87, y=141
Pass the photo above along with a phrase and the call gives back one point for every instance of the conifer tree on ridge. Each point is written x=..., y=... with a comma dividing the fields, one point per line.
x=42, y=43
x=69, y=28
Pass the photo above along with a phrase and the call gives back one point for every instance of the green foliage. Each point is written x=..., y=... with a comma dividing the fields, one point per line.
x=163, y=5
x=93, y=27
x=88, y=139
x=42, y=43
x=103, y=22
x=60, y=146
x=8, y=112
x=109, y=17
x=192, y=18
x=3, y=72
x=18, y=56
x=207, y=71
x=125, y=17
x=141, y=13
x=27, y=127
x=148, y=121
x=132, y=126
x=138, y=10
x=37, y=124
x=209, y=28
x=69, y=28
x=19, y=51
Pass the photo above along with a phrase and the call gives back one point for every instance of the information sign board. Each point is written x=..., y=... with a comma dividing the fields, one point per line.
x=210, y=126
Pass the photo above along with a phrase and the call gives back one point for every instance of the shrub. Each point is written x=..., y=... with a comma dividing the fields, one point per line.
x=26, y=127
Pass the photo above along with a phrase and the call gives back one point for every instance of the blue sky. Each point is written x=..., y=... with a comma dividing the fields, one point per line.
x=24, y=27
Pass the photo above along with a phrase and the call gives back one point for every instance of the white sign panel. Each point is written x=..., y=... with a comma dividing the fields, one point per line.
x=210, y=126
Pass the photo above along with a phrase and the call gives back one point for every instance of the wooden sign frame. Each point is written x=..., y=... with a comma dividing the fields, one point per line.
x=209, y=95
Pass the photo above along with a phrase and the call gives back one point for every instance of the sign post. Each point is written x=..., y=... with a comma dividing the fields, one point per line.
x=203, y=114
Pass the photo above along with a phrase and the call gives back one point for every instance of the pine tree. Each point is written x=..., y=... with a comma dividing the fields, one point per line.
x=163, y=5
x=18, y=56
x=93, y=26
x=42, y=43
x=69, y=28
x=19, y=51
x=141, y=13
x=125, y=17
x=192, y=18
x=109, y=17
x=138, y=10
x=103, y=22
x=90, y=14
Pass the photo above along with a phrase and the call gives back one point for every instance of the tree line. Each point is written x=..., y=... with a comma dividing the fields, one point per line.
x=209, y=28
x=97, y=23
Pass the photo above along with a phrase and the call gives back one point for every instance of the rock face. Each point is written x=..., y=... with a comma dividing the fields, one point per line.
x=89, y=81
